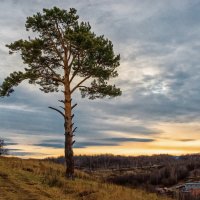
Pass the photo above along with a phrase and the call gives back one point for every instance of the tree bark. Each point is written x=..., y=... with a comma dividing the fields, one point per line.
x=68, y=138
x=69, y=155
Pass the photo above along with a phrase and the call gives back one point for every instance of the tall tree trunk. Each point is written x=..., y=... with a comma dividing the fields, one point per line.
x=69, y=155
x=68, y=138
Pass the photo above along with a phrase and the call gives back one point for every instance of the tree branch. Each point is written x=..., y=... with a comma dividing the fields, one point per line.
x=60, y=34
x=70, y=65
x=52, y=62
x=79, y=65
x=57, y=110
x=57, y=79
x=54, y=46
x=78, y=85
x=62, y=101
x=72, y=125
x=70, y=54
x=62, y=107
x=74, y=105
x=74, y=129
x=61, y=38
x=73, y=75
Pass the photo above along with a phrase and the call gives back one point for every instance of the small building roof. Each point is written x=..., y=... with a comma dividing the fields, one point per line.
x=188, y=184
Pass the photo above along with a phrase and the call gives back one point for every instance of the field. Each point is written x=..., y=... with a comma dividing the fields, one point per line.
x=42, y=180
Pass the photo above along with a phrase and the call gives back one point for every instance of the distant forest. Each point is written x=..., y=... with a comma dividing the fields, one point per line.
x=145, y=171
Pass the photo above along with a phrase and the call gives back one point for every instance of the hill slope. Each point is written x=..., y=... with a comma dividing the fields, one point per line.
x=42, y=180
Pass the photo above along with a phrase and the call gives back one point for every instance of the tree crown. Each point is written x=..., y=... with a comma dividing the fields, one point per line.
x=64, y=47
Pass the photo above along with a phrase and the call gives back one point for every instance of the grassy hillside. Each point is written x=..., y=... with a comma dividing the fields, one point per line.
x=42, y=180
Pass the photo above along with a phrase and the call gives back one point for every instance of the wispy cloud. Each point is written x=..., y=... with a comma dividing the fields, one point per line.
x=18, y=107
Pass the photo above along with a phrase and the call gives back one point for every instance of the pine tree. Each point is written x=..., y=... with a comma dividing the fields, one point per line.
x=63, y=50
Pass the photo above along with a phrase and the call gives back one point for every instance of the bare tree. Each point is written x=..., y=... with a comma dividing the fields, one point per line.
x=3, y=151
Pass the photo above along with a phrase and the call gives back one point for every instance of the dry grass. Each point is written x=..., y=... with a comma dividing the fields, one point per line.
x=42, y=180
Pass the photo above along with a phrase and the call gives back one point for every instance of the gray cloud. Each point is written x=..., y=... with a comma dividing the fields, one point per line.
x=159, y=72
x=186, y=140
x=89, y=144
x=58, y=143
x=128, y=140
x=11, y=143
x=76, y=145
x=54, y=145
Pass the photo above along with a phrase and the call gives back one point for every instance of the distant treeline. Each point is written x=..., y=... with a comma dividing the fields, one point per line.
x=170, y=171
x=109, y=161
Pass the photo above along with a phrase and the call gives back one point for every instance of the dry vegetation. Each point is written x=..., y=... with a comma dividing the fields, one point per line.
x=41, y=180
x=149, y=172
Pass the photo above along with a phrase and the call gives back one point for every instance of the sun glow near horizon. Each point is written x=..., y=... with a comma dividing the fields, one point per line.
x=185, y=141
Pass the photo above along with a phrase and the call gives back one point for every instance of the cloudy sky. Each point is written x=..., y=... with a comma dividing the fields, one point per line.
x=159, y=75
